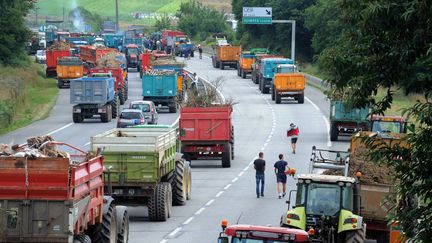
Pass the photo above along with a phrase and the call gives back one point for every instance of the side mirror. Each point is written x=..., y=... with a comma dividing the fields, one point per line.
x=223, y=239
x=182, y=132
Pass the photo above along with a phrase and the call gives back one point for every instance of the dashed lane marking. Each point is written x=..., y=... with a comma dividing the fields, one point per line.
x=199, y=211
x=188, y=221
x=61, y=128
x=174, y=232
x=219, y=194
x=234, y=180
x=209, y=202
x=227, y=186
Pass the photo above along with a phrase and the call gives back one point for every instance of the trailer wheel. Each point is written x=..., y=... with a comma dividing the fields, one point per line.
x=122, y=218
x=179, y=183
x=77, y=118
x=115, y=108
x=300, y=98
x=60, y=83
x=106, y=117
x=106, y=232
x=243, y=74
x=159, y=204
x=222, y=66
x=273, y=90
x=238, y=69
x=232, y=142
x=121, y=96
x=172, y=109
x=226, y=156
x=217, y=63
x=355, y=236
x=82, y=239
x=278, y=97
x=334, y=133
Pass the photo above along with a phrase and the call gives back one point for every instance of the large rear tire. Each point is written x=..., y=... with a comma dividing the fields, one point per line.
x=122, y=218
x=115, y=107
x=179, y=183
x=300, y=98
x=355, y=236
x=226, y=156
x=106, y=232
x=334, y=133
x=273, y=90
x=121, y=96
x=159, y=205
x=82, y=239
x=278, y=98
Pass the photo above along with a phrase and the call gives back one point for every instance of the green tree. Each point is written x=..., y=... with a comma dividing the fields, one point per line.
x=14, y=34
x=163, y=22
x=388, y=43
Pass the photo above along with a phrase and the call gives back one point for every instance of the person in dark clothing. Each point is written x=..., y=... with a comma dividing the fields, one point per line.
x=200, y=50
x=280, y=168
x=259, y=165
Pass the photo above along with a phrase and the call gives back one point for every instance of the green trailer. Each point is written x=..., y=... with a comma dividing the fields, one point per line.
x=142, y=167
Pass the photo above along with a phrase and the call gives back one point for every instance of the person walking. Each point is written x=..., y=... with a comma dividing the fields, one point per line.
x=259, y=165
x=293, y=133
x=200, y=51
x=280, y=167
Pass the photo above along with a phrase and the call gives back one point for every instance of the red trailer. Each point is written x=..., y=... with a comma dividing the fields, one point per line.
x=119, y=75
x=167, y=33
x=91, y=54
x=51, y=60
x=207, y=133
x=57, y=199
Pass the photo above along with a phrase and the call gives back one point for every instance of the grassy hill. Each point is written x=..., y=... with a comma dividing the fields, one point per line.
x=106, y=8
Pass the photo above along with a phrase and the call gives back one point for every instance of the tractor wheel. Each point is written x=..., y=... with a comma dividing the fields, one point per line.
x=106, y=232
x=159, y=204
x=334, y=133
x=122, y=218
x=355, y=236
x=121, y=96
x=77, y=118
x=179, y=183
x=300, y=98
x=115, y=107
x=82, y=239
x=226, y=156
x=278, y=98
x=273, y=93
x=126, y=92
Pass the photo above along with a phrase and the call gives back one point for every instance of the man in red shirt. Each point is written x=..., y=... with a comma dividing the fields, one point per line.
x=293, y=132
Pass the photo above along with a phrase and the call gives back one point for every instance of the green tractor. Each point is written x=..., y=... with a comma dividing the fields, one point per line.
x=327, y=206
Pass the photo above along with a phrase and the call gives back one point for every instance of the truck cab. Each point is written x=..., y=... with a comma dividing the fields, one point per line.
x=132, y=56
x=267, y=72
x=98, y=42
x=388, y=124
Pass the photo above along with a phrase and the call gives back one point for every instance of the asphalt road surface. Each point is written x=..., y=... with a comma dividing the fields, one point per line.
x=217, y=193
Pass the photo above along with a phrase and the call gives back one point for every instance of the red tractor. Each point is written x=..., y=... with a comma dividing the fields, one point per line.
x=133, y=56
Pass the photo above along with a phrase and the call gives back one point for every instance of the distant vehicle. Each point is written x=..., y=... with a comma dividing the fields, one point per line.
x=98, y=42
x=130, y=118
x=40, y=56
x=148, y=108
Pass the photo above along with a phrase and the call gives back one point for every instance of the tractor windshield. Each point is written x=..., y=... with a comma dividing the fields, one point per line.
x=386, y=126
x=133, y=51
x=323, y=199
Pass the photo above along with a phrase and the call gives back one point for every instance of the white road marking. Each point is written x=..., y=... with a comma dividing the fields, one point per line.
x=86, y=143
x=188, y=220
x=241, y=173
x=265, y=144
x=174, y=232
x=219, y=194
x=246, y=168
x=61, y=128
x=268, y=140
x=329, y=143
x=209, y=202
x=227, y=186
x=262, y=149
x=199, y=211
x=313, y=104
x=176, y=122
x=234, y=180
x=163, y=241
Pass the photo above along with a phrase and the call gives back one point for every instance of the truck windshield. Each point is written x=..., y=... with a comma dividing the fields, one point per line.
x=286, y=70
x=386, y=126
x=243, y=240
x=323, y=199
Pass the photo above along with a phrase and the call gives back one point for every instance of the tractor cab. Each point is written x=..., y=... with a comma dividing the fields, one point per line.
x=327, y=206
x=132, y=56
x=388, y=124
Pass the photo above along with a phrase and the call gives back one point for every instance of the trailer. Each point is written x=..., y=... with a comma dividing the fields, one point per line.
x=144, y=168
x=91, y=54
x=207, y=133
x=68, y=68
x=51, y=60
x=120, y=84
x=57, y=199
x=161, y=88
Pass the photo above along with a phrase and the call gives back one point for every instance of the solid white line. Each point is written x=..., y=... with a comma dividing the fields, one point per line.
x=188, y=220
x=209, y=202
x=174, y=232
x=61, y=128
x=176, y=122
x=313, y=104
x=227, y=186
x=199, y=211
x=329, y=143
x=240, y=174
x=219, y=194
x=234, y=180
x=86, y=143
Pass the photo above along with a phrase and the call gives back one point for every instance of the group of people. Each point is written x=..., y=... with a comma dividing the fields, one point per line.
x=281, y=168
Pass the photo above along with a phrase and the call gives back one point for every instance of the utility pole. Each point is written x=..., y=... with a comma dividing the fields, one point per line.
x=117, y=19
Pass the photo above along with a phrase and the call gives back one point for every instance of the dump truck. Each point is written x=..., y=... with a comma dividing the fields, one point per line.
x=144, y=168
x=52, y=55
x=225, y=54
x=260, y=234
x=345, y=120
x=256, y=65
x=287, y=82
x=68, y=68
x=112, y=40
x=94, y=96
x=267, y=71
x=92, y=55
x=166, y=35
x=244, y=66
x=121, y=83
x=161, y=88
x=57, y=198
x=207, y=132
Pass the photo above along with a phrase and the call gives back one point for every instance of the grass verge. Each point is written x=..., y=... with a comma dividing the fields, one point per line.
x=27, y=96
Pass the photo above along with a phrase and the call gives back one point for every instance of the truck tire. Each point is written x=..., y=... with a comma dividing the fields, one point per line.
x=273, y=93
x=60, y=83
x=77, y=117
x=106, y=232
x=355, y=236
x=300, y=98
x=115, y=107
x=226, y=156
x=179, y=183
x=106, y=117
x=121, y=96
x=232, y=143
x=172, y=109
x=222, y=66
x=213, y=62
x=334, y=133
x=159, y=204
x=82, y=239
x=278, y=98
x=243, y=74
x=122, y=218
x=238, y=69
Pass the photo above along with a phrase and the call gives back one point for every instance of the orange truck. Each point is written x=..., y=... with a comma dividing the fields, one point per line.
x=287, y=82
x=246, y=60
x=68, y=68
x=225, y=55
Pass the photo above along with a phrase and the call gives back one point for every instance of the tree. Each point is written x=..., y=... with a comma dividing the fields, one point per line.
x=14, y=33
x=163, y=22
x=388, y=43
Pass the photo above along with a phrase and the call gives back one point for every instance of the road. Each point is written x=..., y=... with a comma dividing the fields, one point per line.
x=217, y=193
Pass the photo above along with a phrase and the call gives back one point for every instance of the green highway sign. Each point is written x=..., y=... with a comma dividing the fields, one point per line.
x=257, y=20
